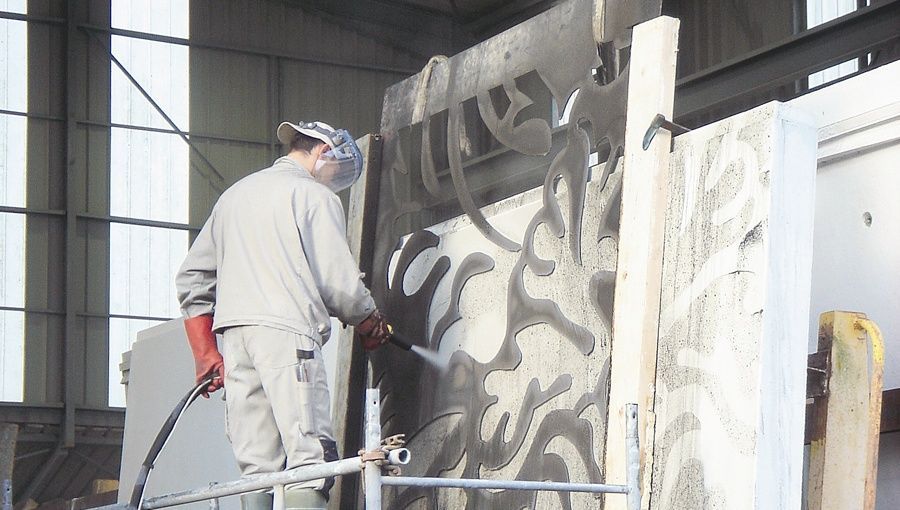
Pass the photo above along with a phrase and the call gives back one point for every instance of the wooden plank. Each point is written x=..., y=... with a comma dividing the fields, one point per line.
x=890, y=414
x=839, y=455
x=350, y=381
x=638, y=272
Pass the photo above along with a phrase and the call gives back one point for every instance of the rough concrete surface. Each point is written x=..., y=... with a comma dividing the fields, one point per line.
x=736, y=277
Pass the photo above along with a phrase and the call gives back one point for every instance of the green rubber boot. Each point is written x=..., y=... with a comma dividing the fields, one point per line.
x=304, y=499
x=256, y=501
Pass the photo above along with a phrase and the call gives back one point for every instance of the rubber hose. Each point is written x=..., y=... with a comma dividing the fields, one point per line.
x=137, y=493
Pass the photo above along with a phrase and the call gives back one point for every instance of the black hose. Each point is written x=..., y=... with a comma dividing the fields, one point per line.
x=399, y=342
x=137, y=493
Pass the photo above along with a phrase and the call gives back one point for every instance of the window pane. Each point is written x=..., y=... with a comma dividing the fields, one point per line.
x=122, y=333
x=822, y=11
x=17, y=6
x=164, y=17
x=12, y=355
x=148, y=176
x=12, y=160
x=162, y=70
x=13, y=51
x=143, y=263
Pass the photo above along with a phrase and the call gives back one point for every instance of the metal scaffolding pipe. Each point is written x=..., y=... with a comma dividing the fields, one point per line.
x=372, y=473
x=522, y=485
x=265, y=481
x=632, y=457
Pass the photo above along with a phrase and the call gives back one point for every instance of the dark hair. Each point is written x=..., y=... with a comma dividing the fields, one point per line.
x=304, y=143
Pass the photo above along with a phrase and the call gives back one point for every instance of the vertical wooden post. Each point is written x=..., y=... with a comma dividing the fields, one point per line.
x=350, y=383
x=844, y=442
x=651, y=86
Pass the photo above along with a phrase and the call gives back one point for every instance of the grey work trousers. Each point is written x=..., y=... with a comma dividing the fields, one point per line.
x=277, y=403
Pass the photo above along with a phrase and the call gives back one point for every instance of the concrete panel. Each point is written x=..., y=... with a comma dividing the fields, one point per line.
x=547, y=382
x=198, y=452
x=736, y=277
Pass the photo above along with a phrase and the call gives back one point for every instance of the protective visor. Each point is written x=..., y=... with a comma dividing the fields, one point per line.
x=341, y=165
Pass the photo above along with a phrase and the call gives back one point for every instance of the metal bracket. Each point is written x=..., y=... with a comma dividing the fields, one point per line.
x=817, y=366
x=658, y=122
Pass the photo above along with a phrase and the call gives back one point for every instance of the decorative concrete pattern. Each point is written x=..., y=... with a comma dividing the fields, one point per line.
x=736, y=279
x=515, y=295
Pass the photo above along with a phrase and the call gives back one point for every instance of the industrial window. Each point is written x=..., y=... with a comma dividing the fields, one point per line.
x=822, y=11
x=13, y=103
x=148, y=173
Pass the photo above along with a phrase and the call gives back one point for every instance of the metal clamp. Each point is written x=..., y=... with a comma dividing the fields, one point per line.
x=660, y=122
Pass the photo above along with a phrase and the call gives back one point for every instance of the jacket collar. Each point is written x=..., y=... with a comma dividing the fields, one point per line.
x=286, y=163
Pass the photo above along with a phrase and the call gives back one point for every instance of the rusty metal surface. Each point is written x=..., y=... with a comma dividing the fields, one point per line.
x=471, y=130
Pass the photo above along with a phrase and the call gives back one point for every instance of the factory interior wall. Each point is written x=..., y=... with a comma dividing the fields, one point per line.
x=713, y=32
x=857, y=229
x=302, y=66
x=78, y=186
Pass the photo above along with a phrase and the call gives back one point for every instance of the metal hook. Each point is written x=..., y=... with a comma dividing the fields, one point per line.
x=658, y=122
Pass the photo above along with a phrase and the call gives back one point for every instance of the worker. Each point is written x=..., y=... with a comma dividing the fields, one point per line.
x=267, y=271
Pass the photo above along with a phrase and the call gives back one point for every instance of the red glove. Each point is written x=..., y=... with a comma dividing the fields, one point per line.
x=207, y=360
x=374, y=331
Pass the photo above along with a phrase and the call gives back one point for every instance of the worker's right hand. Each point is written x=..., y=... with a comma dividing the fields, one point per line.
x=207, y=360
x=374, y=331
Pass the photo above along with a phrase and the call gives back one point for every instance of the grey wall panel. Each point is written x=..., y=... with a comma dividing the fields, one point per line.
x=281, y=28
x=94, y=186
x=43, y=357
x=306, y=67
x=712, y=32
x=229, y=94
x=87, y=172
x=44, y=332
x=96, y=356
x=234, y=160
x=348, y=98
x=45, y=235
x=95, y=237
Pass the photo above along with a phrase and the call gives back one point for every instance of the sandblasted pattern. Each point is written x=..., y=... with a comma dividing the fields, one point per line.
x=517, y=293
x=709, y=398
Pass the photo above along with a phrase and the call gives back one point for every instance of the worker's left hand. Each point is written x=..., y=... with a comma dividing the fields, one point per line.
x=207, y=359
x=374, y=331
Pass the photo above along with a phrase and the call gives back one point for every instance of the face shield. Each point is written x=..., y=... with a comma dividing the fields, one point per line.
x=340, y=165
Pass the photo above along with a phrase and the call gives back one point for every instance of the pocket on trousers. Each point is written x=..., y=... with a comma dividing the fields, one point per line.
x=310, y=375
x=306, y=394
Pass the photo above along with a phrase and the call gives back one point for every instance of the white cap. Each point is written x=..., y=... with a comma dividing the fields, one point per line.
x=317, y=130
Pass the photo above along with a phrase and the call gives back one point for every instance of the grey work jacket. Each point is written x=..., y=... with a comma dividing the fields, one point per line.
x=274, y=252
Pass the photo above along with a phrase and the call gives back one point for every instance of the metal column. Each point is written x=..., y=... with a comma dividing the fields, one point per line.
x=633, y=457
x=373, y=441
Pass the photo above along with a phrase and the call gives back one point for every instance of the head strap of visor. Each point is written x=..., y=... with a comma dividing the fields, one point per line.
x=336, y=137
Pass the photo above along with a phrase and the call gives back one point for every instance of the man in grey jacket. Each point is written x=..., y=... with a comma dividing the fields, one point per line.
x=268, y=270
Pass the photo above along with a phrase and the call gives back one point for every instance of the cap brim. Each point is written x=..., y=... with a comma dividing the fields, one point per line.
x=286, y=132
